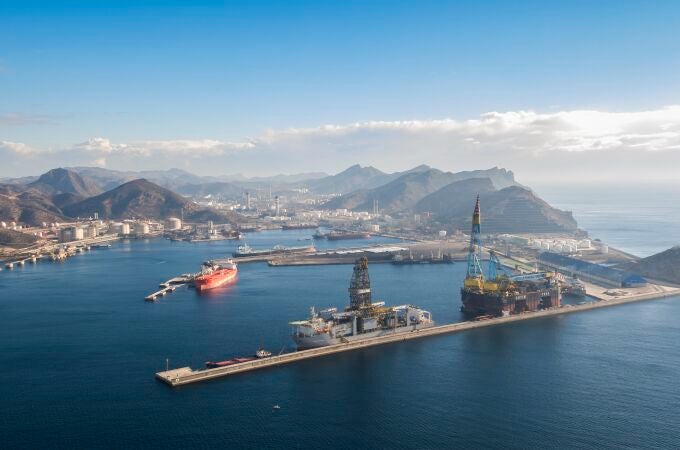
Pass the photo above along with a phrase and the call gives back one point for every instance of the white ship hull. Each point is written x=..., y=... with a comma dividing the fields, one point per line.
x=325, y=339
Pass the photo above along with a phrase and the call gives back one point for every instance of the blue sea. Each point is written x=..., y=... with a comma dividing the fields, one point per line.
x=79, y=347
x=642, y=219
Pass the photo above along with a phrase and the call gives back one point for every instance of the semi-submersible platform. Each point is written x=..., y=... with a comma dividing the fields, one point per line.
x=498, y=293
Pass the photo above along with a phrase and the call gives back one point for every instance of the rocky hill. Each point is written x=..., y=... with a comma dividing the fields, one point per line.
x=351, y=179
x=64, y=181
x=28, y=206
x=399, y=194
x=513, y=209
x=447, y=201
x=664, y=266
x=108, y=179
x=219, y=189
x=142, y=198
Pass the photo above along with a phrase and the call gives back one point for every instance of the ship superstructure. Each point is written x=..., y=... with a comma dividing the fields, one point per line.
x=362, y=319
x=500, y=294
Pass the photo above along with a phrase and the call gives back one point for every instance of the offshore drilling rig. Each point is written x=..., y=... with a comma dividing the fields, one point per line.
x=498, y=293
x=362, y=319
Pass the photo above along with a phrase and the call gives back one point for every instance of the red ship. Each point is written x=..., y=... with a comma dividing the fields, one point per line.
x=215, y=275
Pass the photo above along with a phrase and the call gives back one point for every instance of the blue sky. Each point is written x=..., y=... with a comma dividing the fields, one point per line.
x=138, y=74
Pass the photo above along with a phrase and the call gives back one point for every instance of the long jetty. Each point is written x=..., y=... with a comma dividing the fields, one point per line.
x=186, y=375
x=169, y=286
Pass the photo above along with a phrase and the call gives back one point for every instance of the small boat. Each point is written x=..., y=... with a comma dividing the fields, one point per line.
x=262, y=353
x=276, y=407
x=230, y=362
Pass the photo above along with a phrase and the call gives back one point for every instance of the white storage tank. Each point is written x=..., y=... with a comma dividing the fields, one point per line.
x=3, y=224
x=173, y=223
x=124, y=228
x=116, y=227
x=66, y=234
x=442, y=234
x=142, y=228
x=78, y=233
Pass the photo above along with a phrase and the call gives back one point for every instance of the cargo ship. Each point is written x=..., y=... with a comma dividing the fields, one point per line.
x=245, y=250
x=362, y=319
x=499, y=294
x=299, y=226
x=259, y=354
x=346, y=235
x=215, y=275
x=439, y=258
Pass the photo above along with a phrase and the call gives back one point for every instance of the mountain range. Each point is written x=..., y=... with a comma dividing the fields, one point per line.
x=447, y=197
x=63, y=194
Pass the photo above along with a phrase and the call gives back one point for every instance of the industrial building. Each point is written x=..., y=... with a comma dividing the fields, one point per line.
x=587, y=271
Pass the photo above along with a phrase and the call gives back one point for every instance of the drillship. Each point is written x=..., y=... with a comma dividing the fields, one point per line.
x=215, y=275
x=245, y=250
x=362, y=319
x=499, y=294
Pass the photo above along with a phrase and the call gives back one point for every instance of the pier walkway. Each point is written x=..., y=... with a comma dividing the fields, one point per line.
x=170, y=286
x=186, y=375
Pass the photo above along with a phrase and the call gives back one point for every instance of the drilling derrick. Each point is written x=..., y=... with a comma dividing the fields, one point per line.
x=360, y=286
x=474, y=278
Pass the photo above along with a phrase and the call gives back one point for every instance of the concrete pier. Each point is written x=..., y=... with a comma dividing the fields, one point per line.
x=186, y=375
x=165, y=289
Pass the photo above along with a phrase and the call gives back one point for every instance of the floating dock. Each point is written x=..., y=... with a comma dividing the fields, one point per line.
x=187, y=375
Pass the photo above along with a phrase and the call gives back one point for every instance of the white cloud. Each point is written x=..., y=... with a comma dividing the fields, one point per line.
x=183, y=147
x=581, y=130
x=17, y=148
x=554, y=144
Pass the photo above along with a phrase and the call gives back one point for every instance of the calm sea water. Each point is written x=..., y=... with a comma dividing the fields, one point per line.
x=79, y=348
x=642, y=219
